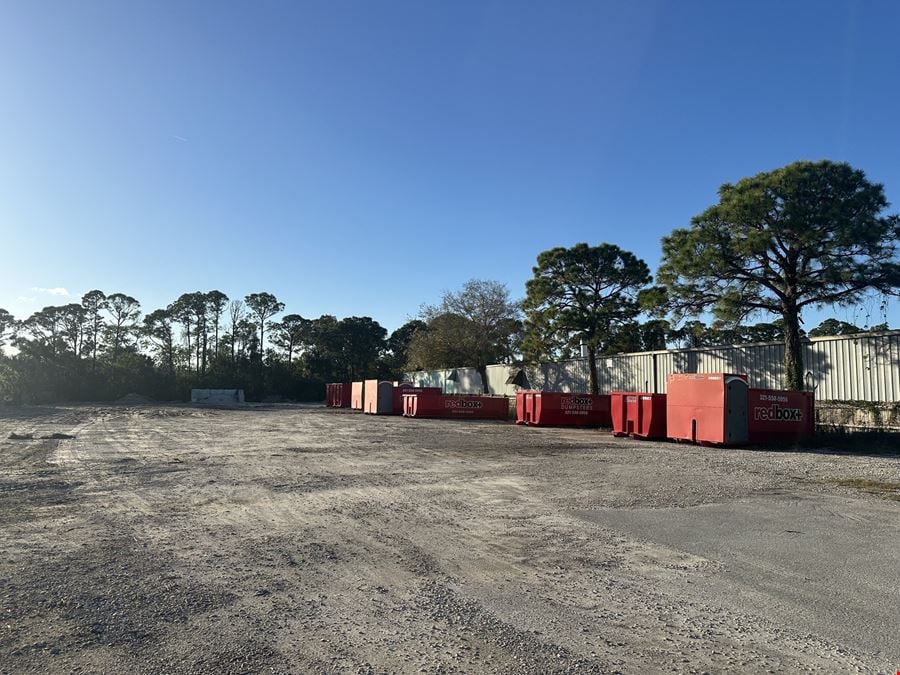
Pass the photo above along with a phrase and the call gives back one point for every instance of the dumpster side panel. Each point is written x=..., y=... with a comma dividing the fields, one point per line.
x=477, y=407
x=460, y=407
x=776, y=416
x=565, y=409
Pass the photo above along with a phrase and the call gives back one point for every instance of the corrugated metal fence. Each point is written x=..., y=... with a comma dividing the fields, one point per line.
x=864, y=367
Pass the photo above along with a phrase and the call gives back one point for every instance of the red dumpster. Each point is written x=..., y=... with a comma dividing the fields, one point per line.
x=707, y=408
x=343, y=395
x=523, y=403
x=386, y=398
x=400, y=390
x=554, y=408
x=776, y=416
x=458, y=406
x=417, y=405
x=638, y=414
x=337, y=395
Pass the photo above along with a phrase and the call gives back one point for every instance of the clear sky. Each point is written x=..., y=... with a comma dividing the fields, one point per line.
x=359, y=157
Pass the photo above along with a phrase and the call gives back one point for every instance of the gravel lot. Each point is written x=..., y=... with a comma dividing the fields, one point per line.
x=296, y=539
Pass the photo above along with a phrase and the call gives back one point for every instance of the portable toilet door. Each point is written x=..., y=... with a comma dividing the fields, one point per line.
x=737, y=394
x=385, y=399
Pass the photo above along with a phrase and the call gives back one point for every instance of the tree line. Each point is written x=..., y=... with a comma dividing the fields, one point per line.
x=103, y=348
x=807, y=234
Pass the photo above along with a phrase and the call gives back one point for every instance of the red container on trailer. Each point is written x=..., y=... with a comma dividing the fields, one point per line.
x=707, y=408
x=456, y=406
x=638, y=414
x=780, y=416
x=555, y=408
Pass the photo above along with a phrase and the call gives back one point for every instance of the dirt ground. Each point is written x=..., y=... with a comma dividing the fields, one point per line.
x=298, y=539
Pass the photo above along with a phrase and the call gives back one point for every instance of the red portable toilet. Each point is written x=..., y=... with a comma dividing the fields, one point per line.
x=707, y=408
x=638, y=414
x=554, y=408
x=776, y=416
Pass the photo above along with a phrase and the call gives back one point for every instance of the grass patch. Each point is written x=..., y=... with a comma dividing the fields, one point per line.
x=886, y=489
x=862, y=442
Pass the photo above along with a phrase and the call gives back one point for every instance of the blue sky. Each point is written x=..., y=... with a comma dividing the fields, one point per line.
x=359, y=157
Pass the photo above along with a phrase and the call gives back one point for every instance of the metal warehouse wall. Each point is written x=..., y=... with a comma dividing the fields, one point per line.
x=864, y=367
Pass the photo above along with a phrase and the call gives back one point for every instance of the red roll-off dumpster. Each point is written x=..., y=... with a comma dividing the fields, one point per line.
x=342, y=398
x=400, y=390
x=554, y=408
x=707, y=408
x=423, y=405
x=776, y=416
x=520, y=407
x=337, y=394
x=638, y=414
x=523, y=403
